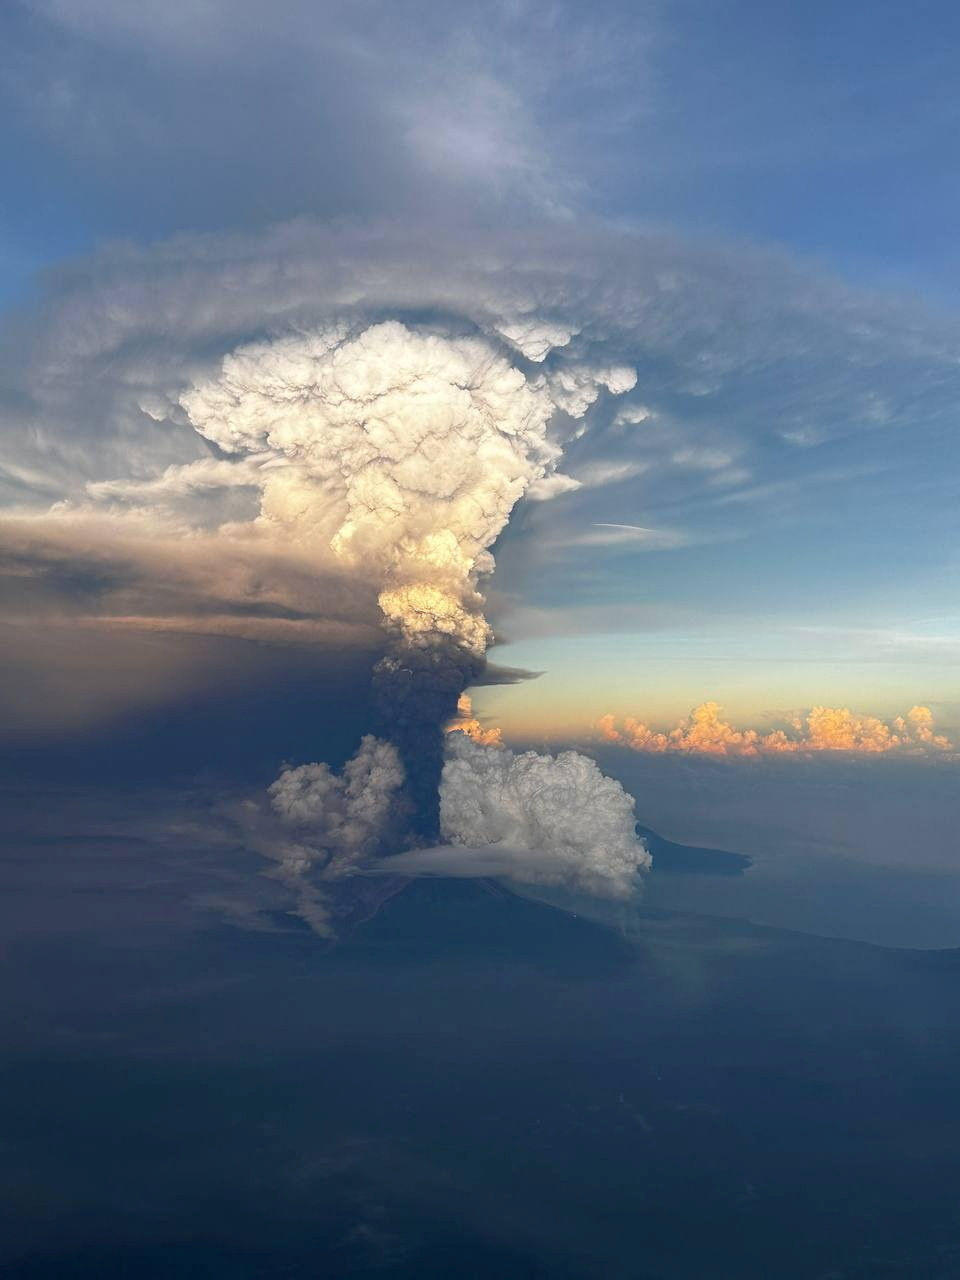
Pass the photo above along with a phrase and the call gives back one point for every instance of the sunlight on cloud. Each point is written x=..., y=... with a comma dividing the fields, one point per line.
x=466, y=722
x=703, y=732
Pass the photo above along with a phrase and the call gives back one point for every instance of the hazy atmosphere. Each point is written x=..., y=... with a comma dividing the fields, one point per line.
x=480, y=640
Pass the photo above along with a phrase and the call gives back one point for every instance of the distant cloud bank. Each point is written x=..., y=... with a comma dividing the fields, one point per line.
x=704, y=732
x=466, y=722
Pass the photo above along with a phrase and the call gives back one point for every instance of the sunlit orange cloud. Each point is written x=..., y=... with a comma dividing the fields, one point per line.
x=467, y=723
x=703, y=732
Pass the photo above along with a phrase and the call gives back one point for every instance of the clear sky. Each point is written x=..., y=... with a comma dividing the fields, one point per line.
x=768, y=519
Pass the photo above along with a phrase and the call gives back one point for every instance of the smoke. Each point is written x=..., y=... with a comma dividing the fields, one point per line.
x=321, y=825
x=402, y=451
x=536, y=819
x=346, y=816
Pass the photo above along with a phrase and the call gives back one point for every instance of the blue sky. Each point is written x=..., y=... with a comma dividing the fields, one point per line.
x=829, y=129
x=798, y=163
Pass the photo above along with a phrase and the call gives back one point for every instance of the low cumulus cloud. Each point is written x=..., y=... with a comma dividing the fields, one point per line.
x=532, y=818
x=466, y=722
x=704, y=732
x=528, y=818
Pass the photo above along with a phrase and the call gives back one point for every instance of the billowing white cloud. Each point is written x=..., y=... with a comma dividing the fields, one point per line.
x=535, y=819
x=528, y=818
x=403, y=450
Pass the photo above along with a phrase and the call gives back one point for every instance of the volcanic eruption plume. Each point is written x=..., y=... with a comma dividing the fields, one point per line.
x=241, y=444
x=402, y=451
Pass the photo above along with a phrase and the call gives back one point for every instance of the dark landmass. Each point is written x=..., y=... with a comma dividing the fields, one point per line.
x=479, y=1085
x=684, y=859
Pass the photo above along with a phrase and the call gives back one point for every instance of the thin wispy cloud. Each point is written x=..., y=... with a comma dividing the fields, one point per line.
x=627, y=535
